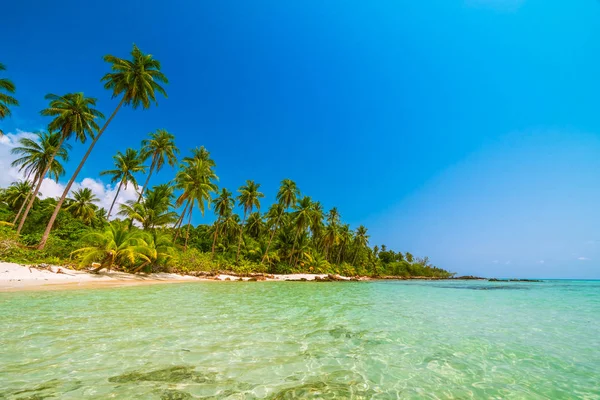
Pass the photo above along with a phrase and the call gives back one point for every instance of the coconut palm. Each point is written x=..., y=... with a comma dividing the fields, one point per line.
x=286, y=196
x=345, y=238
x=196, y=181
x=157, y=249
x=254, y=225
x=17, y=194
x=116, y=245
x=160, y=147
x=361, y=240
x=248, y=198
x=126, y=165
x=200, y=153
x=82, y=205
x=330, y=239
x=7, y=88
x=136, y=81
x=301, y=218
x=39, y=158
x=223, y=205
x=73, y=114
x=154, y=210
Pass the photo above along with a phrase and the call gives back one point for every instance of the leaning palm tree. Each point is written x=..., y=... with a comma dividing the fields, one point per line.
x=286, y=196
x=126, y=165
x=197, y=182
x=161, y=148
x=74, y=114
x=7, y=88
x=136, y=81
x=248, y=198
x=82, y=205
x=39, y=158
x=224, y=204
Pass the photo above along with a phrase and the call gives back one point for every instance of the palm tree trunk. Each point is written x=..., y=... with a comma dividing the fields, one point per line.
x=72, y=180
x=271, y=239
x=294, y=246
x=147, y=179
x=215, y=239
x=340, y=253
x=37, y=188
x=187, y=235
x=237, y=256
x=178, y=228
x=23, y=203
x=115, y=199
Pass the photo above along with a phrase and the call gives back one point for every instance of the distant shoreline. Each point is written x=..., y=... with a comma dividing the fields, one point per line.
x=18, y=277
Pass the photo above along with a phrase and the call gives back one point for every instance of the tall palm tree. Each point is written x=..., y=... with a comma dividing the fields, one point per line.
x=301, y=218
x=7, y=88
x=161, y=148
x=136, y=81
x=82, y=205
x=200, y=153
x=38, y=159
x=196, y=181
x=330, y=239
x=286, y=196
x=223, y=204
x=345, y=237
x=361, y=240
x=74, y=114
x=248, y=198
x=126, y=165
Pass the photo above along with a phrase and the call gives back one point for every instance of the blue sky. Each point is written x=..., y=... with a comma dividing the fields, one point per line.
x=466, y=130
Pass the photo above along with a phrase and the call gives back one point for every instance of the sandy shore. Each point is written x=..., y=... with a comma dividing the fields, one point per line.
x=16, y=277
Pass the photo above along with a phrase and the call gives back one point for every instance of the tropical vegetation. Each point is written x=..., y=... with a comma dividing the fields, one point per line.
x=243, y=229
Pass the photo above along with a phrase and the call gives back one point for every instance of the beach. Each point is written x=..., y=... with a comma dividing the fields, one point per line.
x=16, y=277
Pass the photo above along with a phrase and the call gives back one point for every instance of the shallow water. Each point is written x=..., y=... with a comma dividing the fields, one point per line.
x=283, y=340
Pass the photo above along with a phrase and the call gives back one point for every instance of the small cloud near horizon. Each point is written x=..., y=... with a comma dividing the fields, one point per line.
x=583, y=259
x=541, y=262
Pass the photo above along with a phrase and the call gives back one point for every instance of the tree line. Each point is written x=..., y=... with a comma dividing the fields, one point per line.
x=155, y=230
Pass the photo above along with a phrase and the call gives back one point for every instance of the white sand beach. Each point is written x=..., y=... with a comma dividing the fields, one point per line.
x=15, y=277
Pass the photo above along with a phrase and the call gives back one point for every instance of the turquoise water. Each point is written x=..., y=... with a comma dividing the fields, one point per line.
x=283, y=340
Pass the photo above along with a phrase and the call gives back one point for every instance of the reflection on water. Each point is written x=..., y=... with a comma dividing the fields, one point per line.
x=283, y=340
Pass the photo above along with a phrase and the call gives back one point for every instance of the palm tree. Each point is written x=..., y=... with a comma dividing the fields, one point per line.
x=248, y=198
x=157, y=249
x=38, y=159
x=254, y=225
x=161, y=148
x=286, y=196
x=116, y=245
x=224, y=204
x=361, y=240
x=136, y=81
x=6, y=89
x=196, y=181
x=200, y=153
x=17, y=194
x=301, y=218
x=154, y=210
x=74, y=114
x=82, y=206
x=330, y=239
x=345, y=238
x=126, y=165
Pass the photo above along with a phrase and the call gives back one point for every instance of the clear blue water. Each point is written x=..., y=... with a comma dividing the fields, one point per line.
x=280, y=340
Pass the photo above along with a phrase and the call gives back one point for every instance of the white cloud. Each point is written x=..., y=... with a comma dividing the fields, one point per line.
x=583, y=259
x=49, y=188
x=541, y=262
